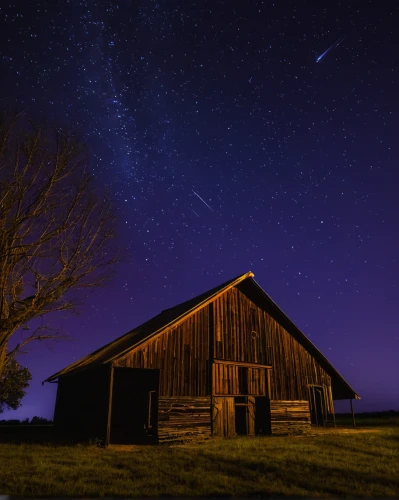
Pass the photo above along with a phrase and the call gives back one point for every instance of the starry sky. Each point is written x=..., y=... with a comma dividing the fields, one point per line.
x=229, y=146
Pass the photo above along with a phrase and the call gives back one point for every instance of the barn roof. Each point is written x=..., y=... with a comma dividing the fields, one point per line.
x=173, y=316
x=150, y=328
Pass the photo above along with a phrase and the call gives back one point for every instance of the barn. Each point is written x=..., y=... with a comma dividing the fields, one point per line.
x=227, y=362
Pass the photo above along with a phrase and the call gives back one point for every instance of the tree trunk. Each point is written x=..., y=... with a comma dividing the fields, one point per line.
x=3, y=335
x=3, y=355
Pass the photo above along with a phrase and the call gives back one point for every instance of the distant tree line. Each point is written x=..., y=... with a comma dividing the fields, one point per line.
x=34, y=421
x=386, y=413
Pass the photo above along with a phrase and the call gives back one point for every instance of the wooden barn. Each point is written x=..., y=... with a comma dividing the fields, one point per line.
x=228, y=362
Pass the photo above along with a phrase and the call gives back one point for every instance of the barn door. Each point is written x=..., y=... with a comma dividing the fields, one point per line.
x=152, y=414
x=317, y=403
x=134, y=406
x=241, y=415
x=245, y=415
x=262, y=415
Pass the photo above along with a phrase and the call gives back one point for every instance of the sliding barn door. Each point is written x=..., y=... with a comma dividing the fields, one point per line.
x=134, y=410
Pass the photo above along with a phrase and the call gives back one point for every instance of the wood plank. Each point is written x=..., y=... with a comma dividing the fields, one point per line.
x=230, y=417
x=289, y=416
x=216, y=417
x=241, y=363
x=183, y=418
x=251, y=416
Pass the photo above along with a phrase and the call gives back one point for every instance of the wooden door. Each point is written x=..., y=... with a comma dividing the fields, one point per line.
x=318, y=408
x=262, y=415
x=134, y=405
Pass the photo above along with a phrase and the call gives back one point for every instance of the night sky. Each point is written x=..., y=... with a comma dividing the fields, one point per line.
x=230, y=146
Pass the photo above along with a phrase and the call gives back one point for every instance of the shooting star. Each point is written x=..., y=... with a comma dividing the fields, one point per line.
x=204, y=202
x=335, y=44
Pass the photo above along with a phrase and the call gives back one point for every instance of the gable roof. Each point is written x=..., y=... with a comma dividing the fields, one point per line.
x=173, y=316
x=150, y=328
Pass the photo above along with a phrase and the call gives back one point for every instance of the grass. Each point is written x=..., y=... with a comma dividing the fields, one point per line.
x=336, y=462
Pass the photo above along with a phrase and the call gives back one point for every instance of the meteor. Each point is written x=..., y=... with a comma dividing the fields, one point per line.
x=335, y=44
x=204, y=202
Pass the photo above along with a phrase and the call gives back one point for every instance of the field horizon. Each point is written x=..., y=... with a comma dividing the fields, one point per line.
x=341, y=461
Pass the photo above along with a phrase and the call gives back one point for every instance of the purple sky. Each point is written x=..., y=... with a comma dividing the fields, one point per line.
x=229, y=148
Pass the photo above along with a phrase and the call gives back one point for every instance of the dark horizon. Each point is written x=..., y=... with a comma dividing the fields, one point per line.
x=234, y=137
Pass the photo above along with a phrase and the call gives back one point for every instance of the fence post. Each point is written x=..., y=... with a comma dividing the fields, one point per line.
x=353, y=414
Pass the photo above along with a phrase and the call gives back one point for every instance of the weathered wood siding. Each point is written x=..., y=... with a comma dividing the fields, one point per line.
x=181, y=354
x=238, y=324
x=289, y=416
x=293, y=367
x=244, y=332
x=182, y=418
x=226, y=380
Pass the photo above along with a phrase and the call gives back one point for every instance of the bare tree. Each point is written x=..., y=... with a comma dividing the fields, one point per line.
x=55, y=229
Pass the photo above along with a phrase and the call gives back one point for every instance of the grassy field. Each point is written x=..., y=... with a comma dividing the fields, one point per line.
x=390, y=418
x=332, y=462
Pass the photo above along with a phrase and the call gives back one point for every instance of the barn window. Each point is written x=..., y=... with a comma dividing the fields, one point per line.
x=243, y=380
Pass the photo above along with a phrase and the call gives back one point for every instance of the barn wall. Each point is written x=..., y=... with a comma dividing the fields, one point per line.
x=183, y=418
x=82, y=403
x=181, y=354
x=236, y=317
x=293, y=367
x=289, y=416
x=246, y=333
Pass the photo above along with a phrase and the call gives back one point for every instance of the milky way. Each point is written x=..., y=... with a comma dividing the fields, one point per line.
x=297, y=160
